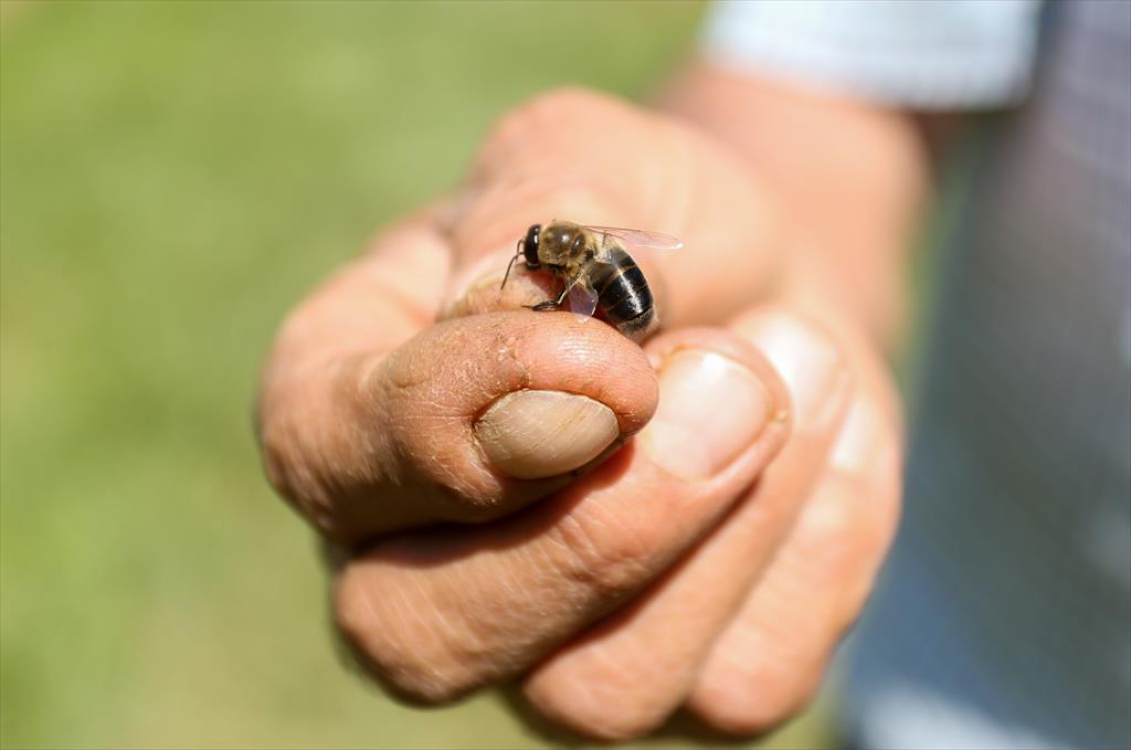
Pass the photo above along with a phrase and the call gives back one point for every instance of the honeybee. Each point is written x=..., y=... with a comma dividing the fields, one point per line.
x=596, y=270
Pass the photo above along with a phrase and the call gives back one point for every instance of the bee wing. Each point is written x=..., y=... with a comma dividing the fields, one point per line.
x=640, y=238
x=583, y=299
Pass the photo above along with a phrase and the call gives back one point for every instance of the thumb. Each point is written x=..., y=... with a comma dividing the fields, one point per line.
x=466, y=421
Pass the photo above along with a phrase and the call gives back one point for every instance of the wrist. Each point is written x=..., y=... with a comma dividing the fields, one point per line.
x=848, y=178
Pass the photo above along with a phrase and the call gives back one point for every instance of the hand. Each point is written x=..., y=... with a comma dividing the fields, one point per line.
x=530, y=496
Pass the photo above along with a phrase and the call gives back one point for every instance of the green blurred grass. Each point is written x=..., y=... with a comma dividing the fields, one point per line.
x=173, y=176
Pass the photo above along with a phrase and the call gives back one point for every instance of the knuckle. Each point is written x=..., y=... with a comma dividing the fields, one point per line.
x=846, y=612
x=397, y=644
x=604, y=551
x=754, y=719
x=557, y=115
x=602, y=706
x=275, y=448
x=549, y=108
x=301, y=426
x=289, y=472
x=753, y=702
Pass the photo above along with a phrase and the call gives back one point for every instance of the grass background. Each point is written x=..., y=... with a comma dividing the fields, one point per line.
x=174, y=176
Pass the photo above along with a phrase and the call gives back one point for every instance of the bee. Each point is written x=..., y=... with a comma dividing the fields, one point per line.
x=596, y=270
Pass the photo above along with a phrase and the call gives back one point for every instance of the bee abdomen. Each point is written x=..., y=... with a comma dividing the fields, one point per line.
x=624, y=296
x=639, y=327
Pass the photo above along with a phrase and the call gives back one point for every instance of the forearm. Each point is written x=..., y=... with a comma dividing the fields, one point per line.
x=850, y=179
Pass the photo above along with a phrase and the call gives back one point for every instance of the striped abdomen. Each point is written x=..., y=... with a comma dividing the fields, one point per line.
x=623, y=294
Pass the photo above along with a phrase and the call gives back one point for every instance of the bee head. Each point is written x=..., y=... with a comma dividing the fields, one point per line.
x=530, y=246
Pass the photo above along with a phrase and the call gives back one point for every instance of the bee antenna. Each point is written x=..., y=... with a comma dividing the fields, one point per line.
x=510, y=265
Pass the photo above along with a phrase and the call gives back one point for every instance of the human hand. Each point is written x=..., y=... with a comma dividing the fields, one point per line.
x=530, y=496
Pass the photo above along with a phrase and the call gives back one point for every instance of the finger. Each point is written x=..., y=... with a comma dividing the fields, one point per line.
x=768, y=663
x=439, y=613
x=584, y=157
x=467, y=420
x=372, y=305
x=629, y=673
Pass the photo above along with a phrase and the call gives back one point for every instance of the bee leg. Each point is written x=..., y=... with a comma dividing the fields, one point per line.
x=554, y=304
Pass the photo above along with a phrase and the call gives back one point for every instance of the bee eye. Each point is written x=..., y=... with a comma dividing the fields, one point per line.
x=530, y=246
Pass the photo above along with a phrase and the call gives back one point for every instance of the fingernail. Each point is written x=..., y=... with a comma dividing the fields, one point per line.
x=538, y=434
x=812, y=368
x=711, y=409
x=862, y=439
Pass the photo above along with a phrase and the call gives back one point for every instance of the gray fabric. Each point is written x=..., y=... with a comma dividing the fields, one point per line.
x=1004, y=619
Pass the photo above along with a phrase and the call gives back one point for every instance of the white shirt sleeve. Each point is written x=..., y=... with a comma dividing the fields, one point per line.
x=921, y=54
